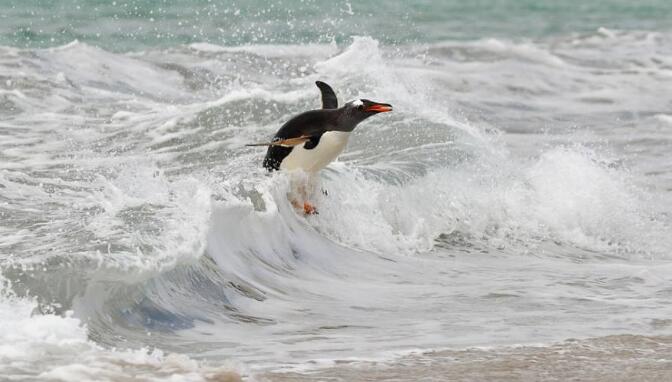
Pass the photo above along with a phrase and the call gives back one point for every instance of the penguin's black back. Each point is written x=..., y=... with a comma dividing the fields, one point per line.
x=311, y=123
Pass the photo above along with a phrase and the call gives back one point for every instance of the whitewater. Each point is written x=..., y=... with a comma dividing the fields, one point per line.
x=515, y=204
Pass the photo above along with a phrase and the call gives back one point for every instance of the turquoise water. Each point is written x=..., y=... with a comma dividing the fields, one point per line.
x=134, y=25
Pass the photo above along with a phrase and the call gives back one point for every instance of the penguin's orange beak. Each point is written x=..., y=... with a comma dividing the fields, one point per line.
x=380, y=107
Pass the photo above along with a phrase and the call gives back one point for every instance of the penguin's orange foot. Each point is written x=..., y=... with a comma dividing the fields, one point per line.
x=309, y=209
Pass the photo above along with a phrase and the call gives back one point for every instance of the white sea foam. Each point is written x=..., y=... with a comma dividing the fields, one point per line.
x=181, y=217
x=51, y=347
x=566, y=195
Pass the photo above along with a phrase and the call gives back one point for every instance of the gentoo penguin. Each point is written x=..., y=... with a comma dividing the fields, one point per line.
x=313, y=139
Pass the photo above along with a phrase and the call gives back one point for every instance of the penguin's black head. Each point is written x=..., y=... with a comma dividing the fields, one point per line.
x=369, y=108
x=358, y=110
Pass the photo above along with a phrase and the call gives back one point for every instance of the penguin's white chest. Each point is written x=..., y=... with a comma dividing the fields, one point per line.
x=332, y=143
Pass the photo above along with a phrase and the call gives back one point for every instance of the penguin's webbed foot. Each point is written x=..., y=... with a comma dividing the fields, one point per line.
x=309, y=209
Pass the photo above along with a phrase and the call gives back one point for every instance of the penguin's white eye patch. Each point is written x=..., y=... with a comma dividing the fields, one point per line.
x=357, y=102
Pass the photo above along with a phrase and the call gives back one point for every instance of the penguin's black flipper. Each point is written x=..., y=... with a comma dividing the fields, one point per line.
x=329, y=100
x=312, y=142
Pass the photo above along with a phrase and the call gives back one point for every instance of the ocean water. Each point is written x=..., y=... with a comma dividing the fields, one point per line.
x=510, y=220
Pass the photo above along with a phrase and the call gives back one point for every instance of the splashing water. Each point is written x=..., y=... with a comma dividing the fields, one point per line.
x=519, y=193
